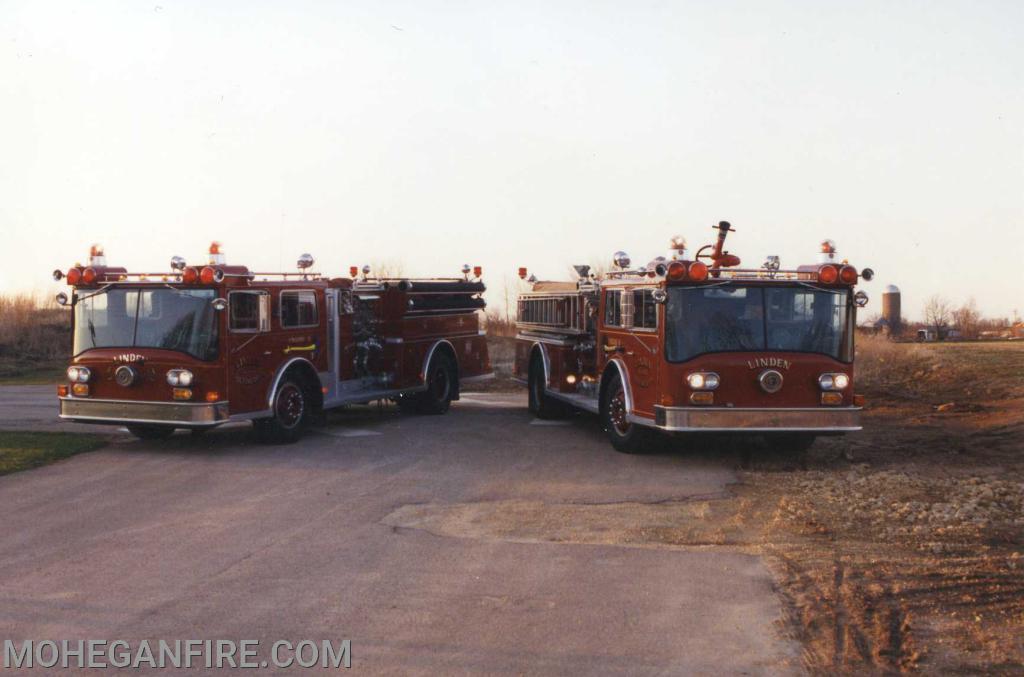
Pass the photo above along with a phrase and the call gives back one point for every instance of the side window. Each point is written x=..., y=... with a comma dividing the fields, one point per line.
x=298, y=309
x=249, y=311
x=645, y=311
x=613, y=309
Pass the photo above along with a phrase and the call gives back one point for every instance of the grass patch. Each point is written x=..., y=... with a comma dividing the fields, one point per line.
x=26, y=450
x=20, y=373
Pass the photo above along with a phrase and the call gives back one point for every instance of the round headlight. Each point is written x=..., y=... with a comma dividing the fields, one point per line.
x=78, y=374
x=179, y=377
x=840, y=381
x=826, y=381
x=702, y=380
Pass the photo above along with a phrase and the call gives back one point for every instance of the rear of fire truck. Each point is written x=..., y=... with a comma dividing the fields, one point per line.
x=702, y=346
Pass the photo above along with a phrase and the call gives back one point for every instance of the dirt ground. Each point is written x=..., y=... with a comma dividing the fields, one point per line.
x=900, y=548
x=903, y=546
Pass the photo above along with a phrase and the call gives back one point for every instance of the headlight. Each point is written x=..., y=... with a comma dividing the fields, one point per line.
x=833, y=381
x=179, y=378
x=79, y=374
x=703, y=380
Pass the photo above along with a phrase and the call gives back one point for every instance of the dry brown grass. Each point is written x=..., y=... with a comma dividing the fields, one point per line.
x=35, y=337
x=499, y=324
x=969, y=372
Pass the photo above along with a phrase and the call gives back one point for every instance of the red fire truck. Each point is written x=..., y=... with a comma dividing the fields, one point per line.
x=202, y=345
x=697, y=344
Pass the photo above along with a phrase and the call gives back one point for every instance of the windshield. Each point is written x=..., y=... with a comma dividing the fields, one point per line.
x=742, y=318
x=172, y=319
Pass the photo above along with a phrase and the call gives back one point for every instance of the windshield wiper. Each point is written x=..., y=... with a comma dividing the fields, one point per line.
x=99, y=291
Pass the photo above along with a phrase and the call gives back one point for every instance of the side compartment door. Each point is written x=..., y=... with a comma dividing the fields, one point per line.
x=345, y=364
x=249, y=351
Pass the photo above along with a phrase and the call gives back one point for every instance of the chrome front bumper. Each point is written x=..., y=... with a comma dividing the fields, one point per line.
x=182, y=414
x=737, y=419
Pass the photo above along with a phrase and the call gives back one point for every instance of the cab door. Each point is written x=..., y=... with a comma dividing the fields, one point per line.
x=642, y=347
x=629, y=334
x=249, y=353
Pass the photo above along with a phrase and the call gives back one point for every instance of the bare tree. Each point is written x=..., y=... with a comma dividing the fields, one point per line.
x=387, y=268
x=967, y=319
x=937, y=313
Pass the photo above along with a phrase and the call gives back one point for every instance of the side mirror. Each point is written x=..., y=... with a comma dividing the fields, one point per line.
x=867, y=274
x=219, y=304
x=659, y=295
x=62, y=298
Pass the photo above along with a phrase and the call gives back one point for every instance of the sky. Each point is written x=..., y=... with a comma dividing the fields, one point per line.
x=536, y=134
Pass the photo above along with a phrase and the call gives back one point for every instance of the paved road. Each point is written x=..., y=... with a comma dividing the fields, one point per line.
x=217, y=537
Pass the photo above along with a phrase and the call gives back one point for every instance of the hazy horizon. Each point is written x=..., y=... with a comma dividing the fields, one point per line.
x=540, y=134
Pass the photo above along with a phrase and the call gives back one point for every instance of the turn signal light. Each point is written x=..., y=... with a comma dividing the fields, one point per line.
x=212, y=396
x=74, y=276
x=676, y=271
x=828, y=274
x=62, y=390
x=80, y=389
x=848, y=275
x=832, y=398
x=858, y=400
x=698, y=271
x=190, y=276
x=702, y=397
x=89, y=275
x=182, y=393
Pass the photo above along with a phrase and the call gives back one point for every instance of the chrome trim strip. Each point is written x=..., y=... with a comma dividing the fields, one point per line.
x=280, y=372
x=589, y=404
x=180, y=414
x=545, y=360
x=357, y=396
x=755, y=419
x=430, y=354
x=624, y=375
x=525, y=336
x=477, y=379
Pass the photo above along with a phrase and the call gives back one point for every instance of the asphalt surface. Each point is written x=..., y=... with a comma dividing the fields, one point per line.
x=217, y=537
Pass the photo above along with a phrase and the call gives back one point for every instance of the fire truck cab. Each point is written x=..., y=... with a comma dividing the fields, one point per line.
x=203, y=345
x=696, y=345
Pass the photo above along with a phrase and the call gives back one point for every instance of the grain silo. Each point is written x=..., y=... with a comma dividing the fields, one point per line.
x=891, y=308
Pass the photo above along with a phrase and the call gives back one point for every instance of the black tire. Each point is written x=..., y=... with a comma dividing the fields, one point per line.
x=442, y=382
x=151, y=432
x=541, y=405
x=629, y=438
x=292, y=412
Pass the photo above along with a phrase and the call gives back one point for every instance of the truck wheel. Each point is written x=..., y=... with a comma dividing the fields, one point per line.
x=441, y=384
x=151, y=432
x=626, y=437
x=541, y=405
x=291, y=414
